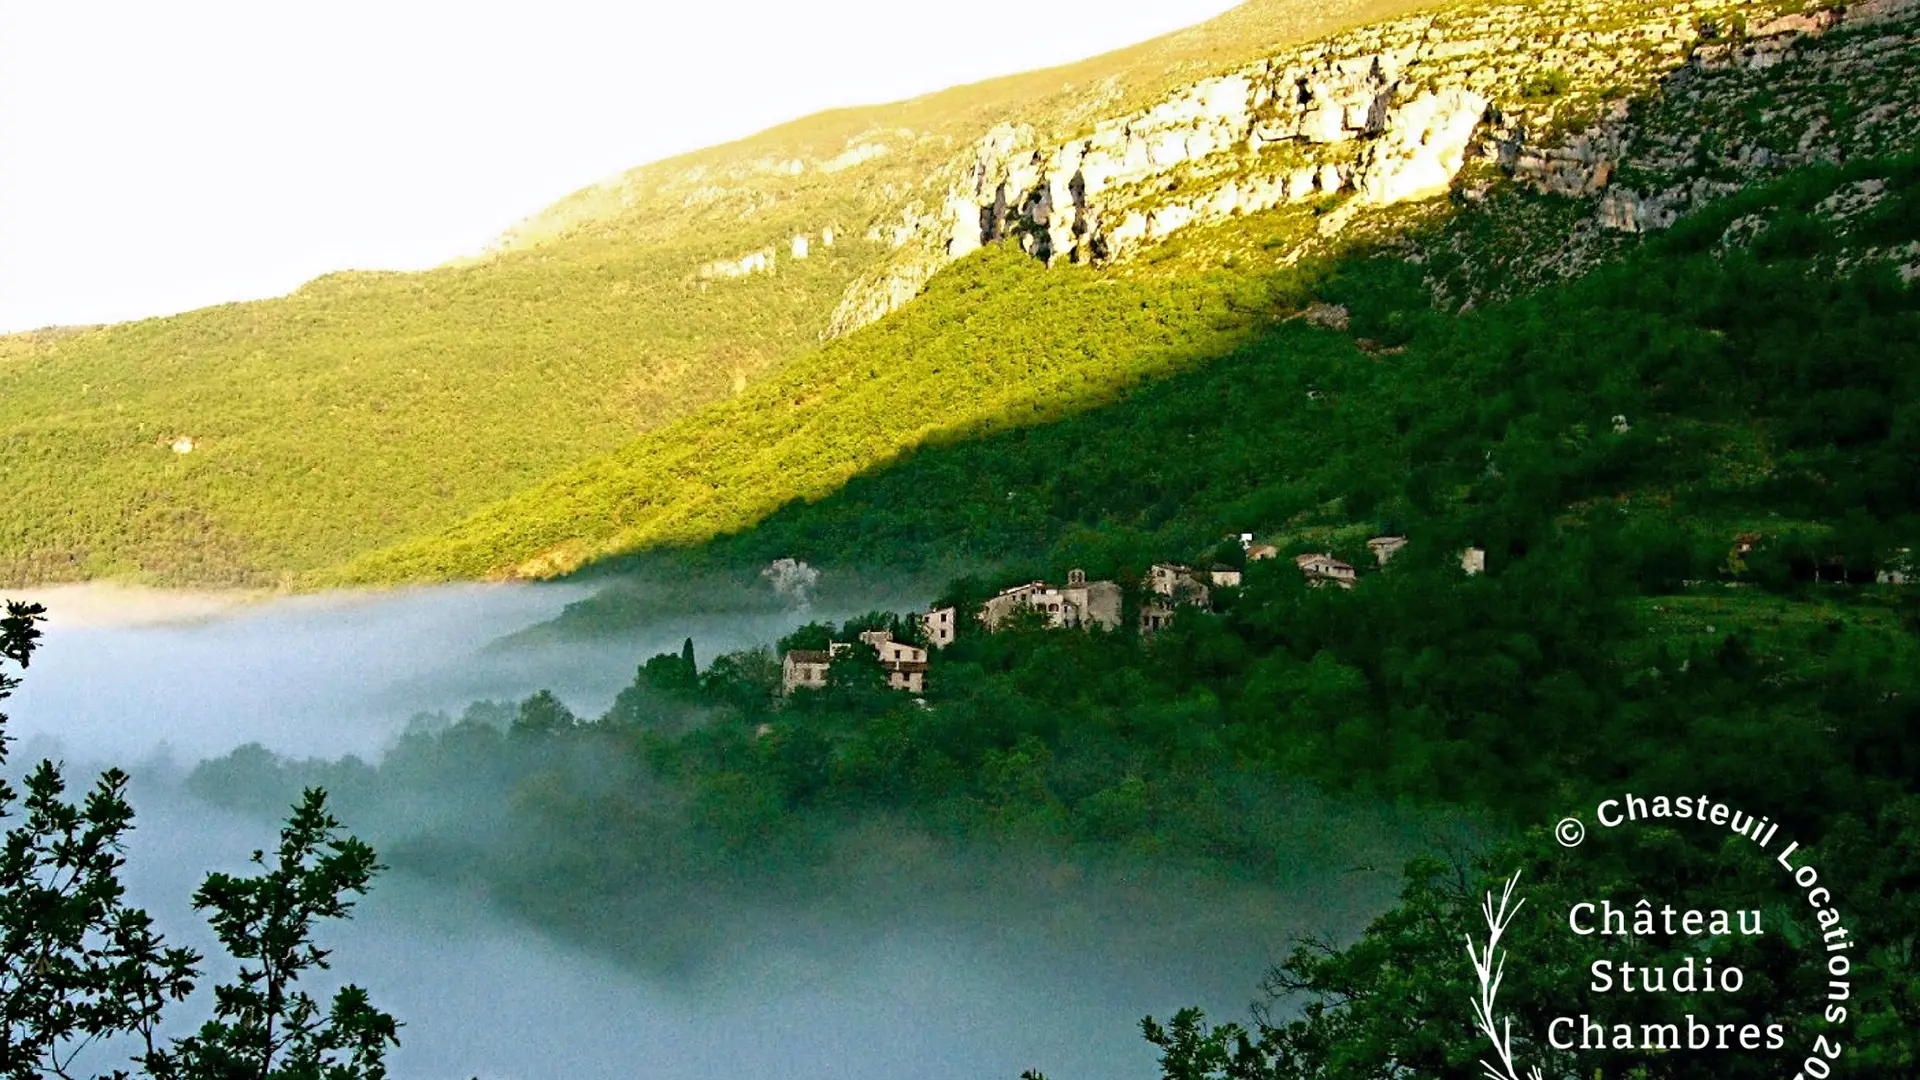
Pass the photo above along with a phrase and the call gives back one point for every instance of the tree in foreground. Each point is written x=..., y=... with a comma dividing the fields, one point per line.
x=79, y=965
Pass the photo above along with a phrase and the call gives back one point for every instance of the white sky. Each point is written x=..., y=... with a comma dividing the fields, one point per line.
x=157, y=157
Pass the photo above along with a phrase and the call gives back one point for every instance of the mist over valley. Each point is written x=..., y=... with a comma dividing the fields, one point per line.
x=905, y=955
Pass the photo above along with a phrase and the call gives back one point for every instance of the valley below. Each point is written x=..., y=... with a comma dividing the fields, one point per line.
x=921, y=965
x=1101, y=574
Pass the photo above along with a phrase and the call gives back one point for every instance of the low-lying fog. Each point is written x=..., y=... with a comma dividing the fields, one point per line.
x=324, y=675
x=976, y=984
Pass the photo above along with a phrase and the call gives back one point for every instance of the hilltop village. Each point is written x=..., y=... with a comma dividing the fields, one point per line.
x=1079, y=604
x=1164, y=590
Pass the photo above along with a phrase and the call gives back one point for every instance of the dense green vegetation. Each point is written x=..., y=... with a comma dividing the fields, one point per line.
x=999, y=341
x=1686, y=468
x=998, y=346
x=364, y=409
x=1476, y=426
x=1620, y=639
x=368, y=409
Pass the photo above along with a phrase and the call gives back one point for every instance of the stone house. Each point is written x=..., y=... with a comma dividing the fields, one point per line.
x=1168, y=586
x=908, y=675
x=1177, y=583
x=1092, y=603
x=905, y=665
x=1321, y=568
x=1257, y=552
x=1004, y=603
x=1473, y=561
x=1223, y=576
x=804, y=667
x=1155, y=614
x=1383, y=547
x=1078, y=603
x=939, y=625
x=891, y=651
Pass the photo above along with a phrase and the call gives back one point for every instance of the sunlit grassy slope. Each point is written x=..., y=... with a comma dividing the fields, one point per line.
x=1004, y=417
x=369, y=409
x=997, y=341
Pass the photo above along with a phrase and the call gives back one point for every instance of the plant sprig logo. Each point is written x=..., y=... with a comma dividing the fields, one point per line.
x=1694, y=983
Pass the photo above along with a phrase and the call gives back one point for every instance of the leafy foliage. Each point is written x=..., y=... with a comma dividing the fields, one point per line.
x=997, y=342
x=263, y=1026
x=78, y=964
x=1617, y=639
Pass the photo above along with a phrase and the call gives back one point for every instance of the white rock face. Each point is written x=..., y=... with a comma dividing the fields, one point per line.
x=798, y=249
x=755, y=262
x=1390, y=112
x=1323, y=124
x=1098, y=196
x=1669, y=166
x=963, y=227
x=1423, y=145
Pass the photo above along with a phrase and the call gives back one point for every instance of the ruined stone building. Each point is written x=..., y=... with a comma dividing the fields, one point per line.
x=1170, y=585
x=1180, y=584
x=1321, y=568
x=1383, y=547
x=1078, y=603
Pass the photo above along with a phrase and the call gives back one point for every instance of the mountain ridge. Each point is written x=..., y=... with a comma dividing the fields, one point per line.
x=1548, y=184
x=363, y=409
x=392, y=415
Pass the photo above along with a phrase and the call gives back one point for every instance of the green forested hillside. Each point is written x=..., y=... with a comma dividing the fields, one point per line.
x=1714, y=389
x=364, y=409
x=998, y=341
x=1606, y=441
x=994, y=343
x=1278, y=422
x=370, y=408
x=1695, y=391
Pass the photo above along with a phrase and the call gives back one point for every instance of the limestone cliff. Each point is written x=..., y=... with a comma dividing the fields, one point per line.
x=1556, y=95
x=1744, y=107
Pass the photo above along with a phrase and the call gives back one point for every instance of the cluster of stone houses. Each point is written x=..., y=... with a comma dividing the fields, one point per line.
x=1084, y=604
x=905, y=665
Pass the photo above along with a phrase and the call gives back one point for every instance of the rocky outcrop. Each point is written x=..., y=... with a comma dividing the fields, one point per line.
x=753, y=262
x=1422, y=144
x=1374, y=117
x=1778, y=97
